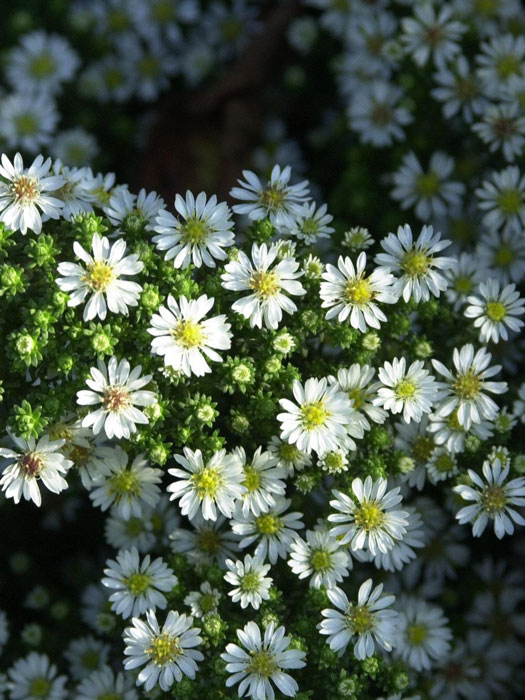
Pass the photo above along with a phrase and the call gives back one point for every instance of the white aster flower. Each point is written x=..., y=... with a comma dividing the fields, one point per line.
x=459, y=90
x=503, y=253
x=503, y=128
x=465, y=390
x=277, y=200
x=500, y=59
x=376, y=114
x=119, y=391
x=319, y=557
x=416, y=262
x=101, y=278
x=138, y=585
x=75, y=193
x=252, y=586
x=423, y=637
x=263, y=480
x=74, y=147
x=208, y=541
x=432, y=31
x=493, y=500
x=502, y=198
x=447, y=431
x=133, y=212
x=312, y=223
x=462, y=277
x=273, y=531
x=494, y=310
x=106, y=684
x=128, y=489
x=357, y=238
x=25, y=191
x=207, y=487
x=122, y=533
x=168, y=652
x=204, y=601
x=369, y=519
x=318, y=422
x=183, y=338
x=442, y=465
x=262, y=660
x=269, y=285
x=27, y=121
x=34, y=678
x=199, y=236
x=411, y=391
x=30, y=463
x=367, y=620
x=417, y=445
x=355, y=381
x=290, y=457
x=85, y=655
x=348, y=292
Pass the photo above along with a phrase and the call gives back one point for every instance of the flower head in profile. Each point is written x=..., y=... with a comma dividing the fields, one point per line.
x=277, y=200
x=368, y=621
x=184, y=339
x=25, y=193
x=495, y=310
x=33, y=462
x=494, y=498
x=260, y=660
x=168, y=652
x=199, y=236
x=349, y=293
x=411, y=391
x=269, y=285
x=118, y=390
x=101, y=278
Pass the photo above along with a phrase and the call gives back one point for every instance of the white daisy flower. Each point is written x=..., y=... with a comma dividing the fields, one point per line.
x=75, y=147
x=503, y=128
x=376, y=114
x=138, y=585
x=317, y=422
x=312, y=223
x=414, y=440
x=290, y=457
x=203, y=602
x=199, y=236
x=432, y=31
x=459, y=90
x=75, y=193
x=81, y=447
x=416, y=262
x=447, y=431
x=101, y=278
x=30, y=463
x=357, y=238
x=262, y=660
x=263, y=480
x=462, y=278
x=252, y=586
x=106, y=684
x=273, y=531
x=119, y=391
x=207, y=542
x=27, y=121
x=168, y=652
x=503, y=253
x=442, y=465
x=26, y=191
x=373, y=522
x=269, y=287
x=128, y=489
x=34, y=678
x=184, y=339
x=494, y=310
x=207, y=487
x=368, y=620
x=355, y=381
x=502, y=198
x=134, y=212
x=348, y=292
x=319, y=557
x=493, y=500
x=465, y=390
x=85, y=655
x=122, y=533
x=277, y=200
x=500, y=58
x=430, y=192
x=423, y=636
x=411, y=391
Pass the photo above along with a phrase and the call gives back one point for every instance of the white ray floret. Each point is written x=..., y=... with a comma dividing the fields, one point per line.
x=411, y=391
x=252, y=585
x=495, y=310
x=321, y=558
x=263, y=480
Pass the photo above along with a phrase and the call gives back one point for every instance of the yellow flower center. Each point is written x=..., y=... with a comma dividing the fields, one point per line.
x=422, y=448
x=496, y=311
x=272, y=197
x=417, y=634
x=415, y=263
x=264, y=283
x=116, y=399
x=493, y=499
x=467, y=385
x=138, y=583
x=194, y=231
x=360, y=619
x=40, y=688
x=188, y=334
x=321, y=560
x=262, y=664
x=358, y=397
x=26, y=124
x=79, y=455
x=25, y=189
x=314, y=415
x=369, y=516
x=252, y=479
x=99, y=276
x=406, y=389
x=250, y=582
x=358, y=292
x=124, y=483
x=510, y=201
x=428, y=184
x=164, y=649
x=207, y=482
x=268, y=524
x=42, y=66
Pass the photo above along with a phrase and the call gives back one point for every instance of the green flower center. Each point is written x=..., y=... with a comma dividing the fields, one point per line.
x=510, y=201
x=381, y=114
x=486, y=7
x=496, y=311
x=466, y=88
x=134, y=527
x=314, y=415
x=262, y=663
x=444, y=464
x=358, y=397
x=264, y=284
x=467, y=385
x=504, y=256
x=417, y=634
x=207, y=603
x=24, y=188
x=164, y=649
x=321, y=560
x=463, y=284
x=149, y=67
x=406, y=389
x=252, y=479
x=334, y=462
x=268, y=524
x=113, y=78
x=163, y=11
x=508, y=65
x=453, y=422
x=124, y=483
x=99, y=276
x=116, y=399
x=31, y=464
x=360, y=619
x=422, y=448
x=26, y=124
x=250, y=582
x=369, y=516
x=188, y=334
x=288, y=452
x=91, y=659
x=493, y=499
x=310, y=227
x=194, y=231
x=358, y=292
x=415, y=263
x=273, y=197
x=209, y=541
x=117, y=20
x=42, y=66
x=207, y=482
x=428, y=184
x=138, y=583
x=40, y=688
x=231, y=28
x=110, y=696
